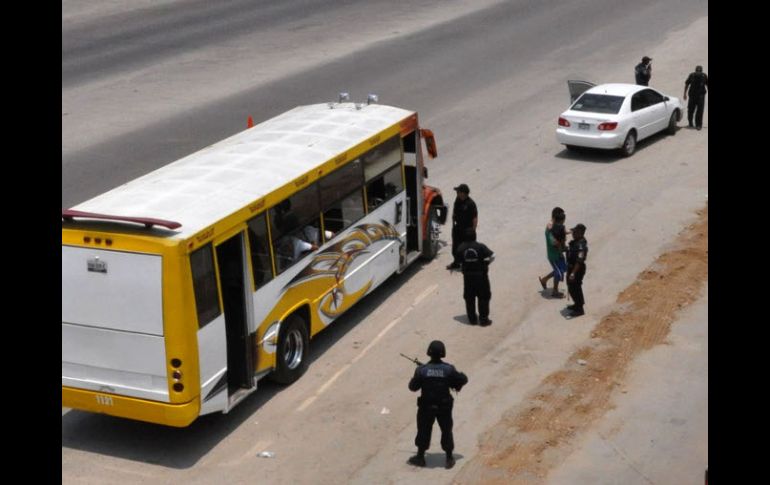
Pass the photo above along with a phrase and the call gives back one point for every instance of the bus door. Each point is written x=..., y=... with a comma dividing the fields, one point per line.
x=413, y=196
x=231, y=259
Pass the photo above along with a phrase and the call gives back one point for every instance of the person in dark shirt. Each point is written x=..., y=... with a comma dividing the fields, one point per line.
x=643, y=71
x=435, y=379
x=475, y=258
x=696, y=86
x=464, y=216
x=577, y=253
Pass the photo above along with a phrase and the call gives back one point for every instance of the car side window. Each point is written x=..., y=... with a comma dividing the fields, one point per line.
x=638, y=101
x=652, y=98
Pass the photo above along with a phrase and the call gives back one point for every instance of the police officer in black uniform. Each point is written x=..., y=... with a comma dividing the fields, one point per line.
x=696, y=84
x=643, y=71
x=577, y=252
x=475, y=258
x=435, y=379
x=464, y=216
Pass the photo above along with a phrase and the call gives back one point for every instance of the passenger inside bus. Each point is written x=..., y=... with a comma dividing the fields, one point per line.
x=379, y=191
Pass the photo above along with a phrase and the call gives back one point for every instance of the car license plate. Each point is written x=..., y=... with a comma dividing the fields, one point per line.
x=583, y=126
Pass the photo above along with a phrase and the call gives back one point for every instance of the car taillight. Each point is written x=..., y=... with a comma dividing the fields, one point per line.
x=607, y=126
x=563, y=122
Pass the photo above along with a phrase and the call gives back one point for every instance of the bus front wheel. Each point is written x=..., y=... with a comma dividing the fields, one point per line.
x=292, y=352
x=433, y=229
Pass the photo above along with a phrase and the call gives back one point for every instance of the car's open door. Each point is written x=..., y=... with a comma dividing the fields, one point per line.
x=576, y=88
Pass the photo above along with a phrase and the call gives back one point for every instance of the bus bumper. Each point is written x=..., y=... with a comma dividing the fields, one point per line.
x=178, y=415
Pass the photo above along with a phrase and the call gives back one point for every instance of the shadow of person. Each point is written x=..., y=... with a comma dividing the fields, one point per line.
x=463, y=319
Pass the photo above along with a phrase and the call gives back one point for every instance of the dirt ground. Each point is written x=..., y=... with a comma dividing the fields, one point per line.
x=539, y=434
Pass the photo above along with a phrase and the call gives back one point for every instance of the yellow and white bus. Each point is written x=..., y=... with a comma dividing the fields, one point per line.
x=184, y=287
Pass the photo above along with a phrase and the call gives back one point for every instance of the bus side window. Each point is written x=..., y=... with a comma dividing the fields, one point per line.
x=261, y=263
x=383, y=187
x=204, y=285
x=295, y=227
x=342, y=199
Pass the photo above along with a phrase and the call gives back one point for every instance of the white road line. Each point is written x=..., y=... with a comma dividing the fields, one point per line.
x=424, y=294
x=363, y=352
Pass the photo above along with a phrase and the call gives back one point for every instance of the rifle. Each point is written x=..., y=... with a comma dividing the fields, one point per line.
x=412, y=359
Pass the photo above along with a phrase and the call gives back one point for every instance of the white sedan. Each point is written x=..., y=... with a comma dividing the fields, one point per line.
x=616, y=116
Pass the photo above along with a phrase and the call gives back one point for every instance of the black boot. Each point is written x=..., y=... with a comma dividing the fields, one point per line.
x=418, y=459
x=450, y=461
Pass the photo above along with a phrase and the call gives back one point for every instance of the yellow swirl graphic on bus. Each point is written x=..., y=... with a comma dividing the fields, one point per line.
x=334, y=262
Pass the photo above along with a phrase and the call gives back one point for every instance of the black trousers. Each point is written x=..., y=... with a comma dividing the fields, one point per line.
x=575, y=289
x=458, y=237
x=695, y=105
x=476, y=285
x=426, y=415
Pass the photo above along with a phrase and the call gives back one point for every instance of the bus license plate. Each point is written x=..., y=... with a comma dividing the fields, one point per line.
x=583, y=126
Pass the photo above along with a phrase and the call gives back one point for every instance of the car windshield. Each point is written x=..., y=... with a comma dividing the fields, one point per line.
x=598, y=103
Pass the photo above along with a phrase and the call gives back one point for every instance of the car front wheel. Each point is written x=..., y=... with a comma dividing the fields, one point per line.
x=629, y=145
x=672, y=122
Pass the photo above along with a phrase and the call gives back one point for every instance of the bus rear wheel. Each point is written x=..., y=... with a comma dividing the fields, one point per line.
x=291, y=354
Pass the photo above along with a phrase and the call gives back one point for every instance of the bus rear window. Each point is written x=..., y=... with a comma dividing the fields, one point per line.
x=205, y=285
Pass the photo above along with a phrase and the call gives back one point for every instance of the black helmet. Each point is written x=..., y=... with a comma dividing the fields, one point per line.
x=436, y=349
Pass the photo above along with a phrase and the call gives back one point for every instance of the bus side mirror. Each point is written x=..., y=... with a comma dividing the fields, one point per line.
x=430, y=142
x=443, y=210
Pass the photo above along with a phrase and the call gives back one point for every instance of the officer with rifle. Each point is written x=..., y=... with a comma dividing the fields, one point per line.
x=435, y=379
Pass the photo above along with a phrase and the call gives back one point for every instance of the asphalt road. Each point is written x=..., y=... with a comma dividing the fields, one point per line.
x=145, y=84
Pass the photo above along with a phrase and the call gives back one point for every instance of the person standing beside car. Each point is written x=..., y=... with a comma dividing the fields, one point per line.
x=696, y=83
x=643, y=71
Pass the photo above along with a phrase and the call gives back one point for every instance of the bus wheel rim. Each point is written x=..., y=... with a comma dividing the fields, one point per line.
x=294, y=349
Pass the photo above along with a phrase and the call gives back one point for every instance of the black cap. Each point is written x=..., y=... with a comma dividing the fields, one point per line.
x=463, y=188
x=437, y=349
x=646, y=58
x=581, y=228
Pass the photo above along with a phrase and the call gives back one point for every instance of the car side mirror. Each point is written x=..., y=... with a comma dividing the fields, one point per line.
x=665, y=98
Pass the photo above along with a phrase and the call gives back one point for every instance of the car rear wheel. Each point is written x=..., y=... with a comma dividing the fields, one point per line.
x=571, y=148
x=672, y=122
x=629, y=145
